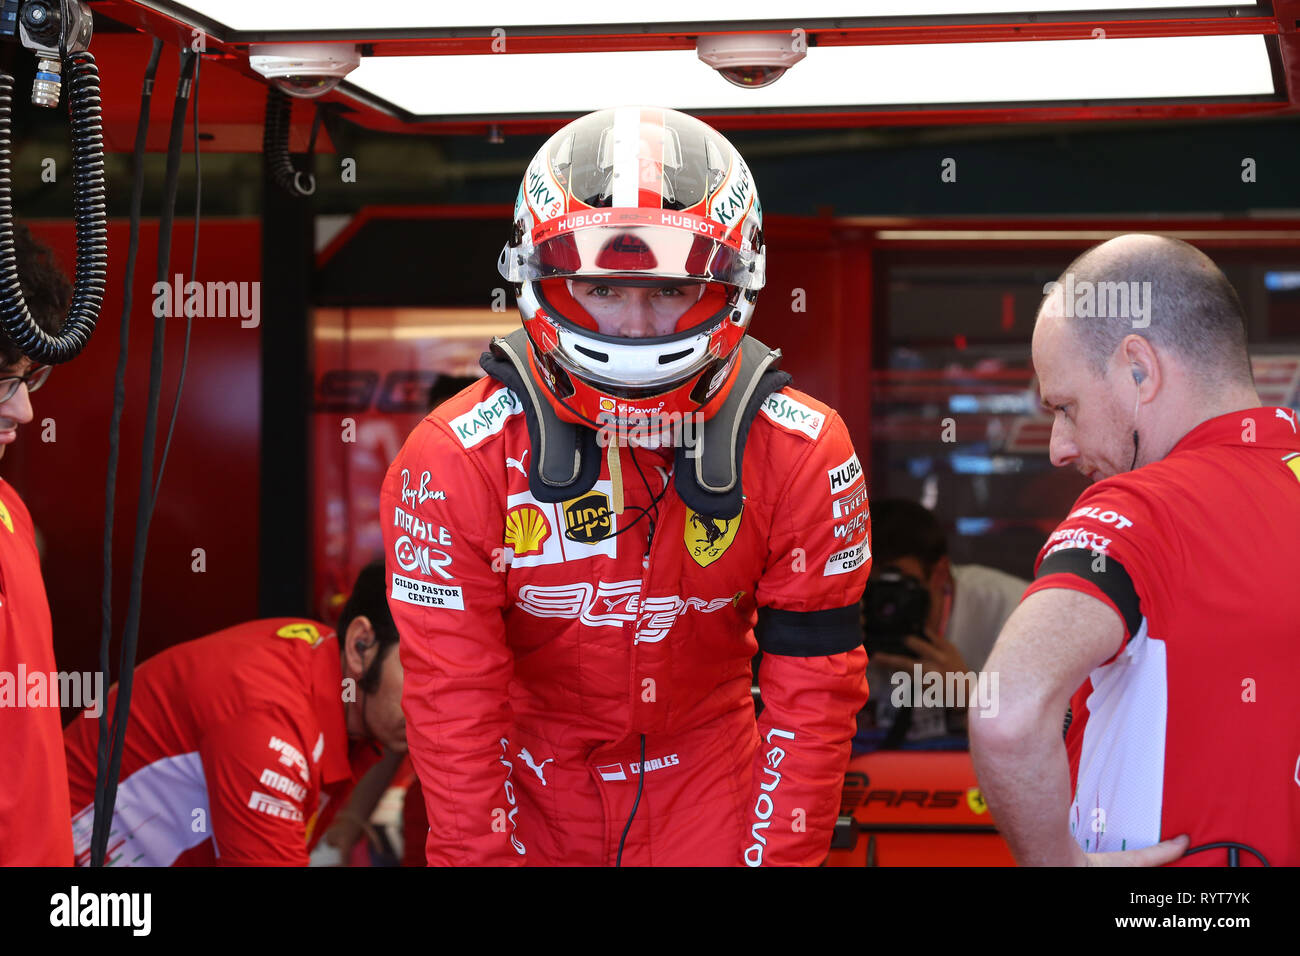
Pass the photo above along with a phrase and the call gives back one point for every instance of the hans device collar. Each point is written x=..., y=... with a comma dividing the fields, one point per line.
x=566, y=459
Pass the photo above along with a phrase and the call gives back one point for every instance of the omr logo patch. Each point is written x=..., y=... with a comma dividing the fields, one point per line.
x=586, y=519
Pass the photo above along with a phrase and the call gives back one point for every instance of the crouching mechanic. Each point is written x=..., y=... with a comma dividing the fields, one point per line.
x=584, y=545
x=237, y=748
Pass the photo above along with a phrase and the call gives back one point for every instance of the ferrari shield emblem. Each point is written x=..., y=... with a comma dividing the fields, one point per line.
x=707, y=538
x=302, y=632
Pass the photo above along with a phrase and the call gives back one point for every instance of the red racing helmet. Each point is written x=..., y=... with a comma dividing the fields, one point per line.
x=636, y=196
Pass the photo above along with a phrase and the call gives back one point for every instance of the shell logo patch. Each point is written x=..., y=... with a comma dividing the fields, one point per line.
x=708, y=538
x=302, y=632
x=975, y=800
x=526, y=530
x=7, y=521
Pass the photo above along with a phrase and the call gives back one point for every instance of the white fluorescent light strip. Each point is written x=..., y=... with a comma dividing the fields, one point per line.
x=260, y=15
x=1024, y=71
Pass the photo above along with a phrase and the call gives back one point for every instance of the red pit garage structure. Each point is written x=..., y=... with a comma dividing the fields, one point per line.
x=925, y=166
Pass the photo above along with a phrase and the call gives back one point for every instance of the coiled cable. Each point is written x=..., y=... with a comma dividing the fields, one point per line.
x=90, y=215
x=275, y=146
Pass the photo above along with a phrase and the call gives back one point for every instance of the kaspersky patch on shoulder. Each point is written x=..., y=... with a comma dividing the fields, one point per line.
x=793, y=415
x=487, y=417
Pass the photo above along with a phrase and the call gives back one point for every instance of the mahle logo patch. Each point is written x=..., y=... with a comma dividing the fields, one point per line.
x=708, y=538
x=586, y=519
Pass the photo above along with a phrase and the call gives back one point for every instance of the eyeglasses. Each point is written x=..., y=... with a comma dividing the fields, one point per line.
x=34, y=379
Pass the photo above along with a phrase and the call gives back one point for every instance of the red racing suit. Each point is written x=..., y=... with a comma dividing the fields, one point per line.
x=236, y=744
x=545, y=643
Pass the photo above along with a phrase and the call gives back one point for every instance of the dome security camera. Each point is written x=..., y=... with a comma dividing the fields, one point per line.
x=304, y=69
x=752, y=60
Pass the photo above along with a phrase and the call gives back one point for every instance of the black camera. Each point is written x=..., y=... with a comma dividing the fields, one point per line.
x=896, y=605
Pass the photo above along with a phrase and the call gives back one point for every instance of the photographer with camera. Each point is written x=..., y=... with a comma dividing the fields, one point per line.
x=919, y=607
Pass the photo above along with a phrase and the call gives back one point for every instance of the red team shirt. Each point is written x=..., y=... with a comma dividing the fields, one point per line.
x=31, y=728
x=1193, y=726
x=235, y=743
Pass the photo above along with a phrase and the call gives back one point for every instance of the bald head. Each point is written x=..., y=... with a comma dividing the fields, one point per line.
x=1164, y=290
x=1163, y=343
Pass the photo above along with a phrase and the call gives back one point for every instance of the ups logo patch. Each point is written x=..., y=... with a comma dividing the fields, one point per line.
x=708, y=538
x=586, y=519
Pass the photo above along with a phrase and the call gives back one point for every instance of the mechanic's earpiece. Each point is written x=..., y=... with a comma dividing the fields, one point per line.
x=370, y=679
x=1137, y=378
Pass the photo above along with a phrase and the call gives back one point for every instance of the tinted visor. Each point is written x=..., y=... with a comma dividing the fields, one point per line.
x=611, y=242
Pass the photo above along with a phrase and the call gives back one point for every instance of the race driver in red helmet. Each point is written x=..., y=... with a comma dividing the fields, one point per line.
x=587, y=547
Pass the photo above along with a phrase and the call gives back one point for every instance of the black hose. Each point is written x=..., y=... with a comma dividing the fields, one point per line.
x=194, y=265
x=640, y=782
x=114, y=433
x=89, y=214
x=275, y=146
x=146, y=500
x=1234, y=852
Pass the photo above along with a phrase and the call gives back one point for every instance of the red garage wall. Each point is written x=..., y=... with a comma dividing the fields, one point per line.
x=824, y=333
x=209, y=495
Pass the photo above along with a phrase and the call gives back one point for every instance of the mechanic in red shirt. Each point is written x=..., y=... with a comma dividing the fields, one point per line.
x=34, y=777
x=1166, y=602
x=238, y=741
x=581, y=571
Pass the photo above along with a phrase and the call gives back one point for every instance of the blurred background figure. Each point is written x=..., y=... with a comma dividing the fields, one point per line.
x=919, y=607
x=448, y=385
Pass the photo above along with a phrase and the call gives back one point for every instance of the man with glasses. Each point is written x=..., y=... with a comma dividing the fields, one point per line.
x=35, y=776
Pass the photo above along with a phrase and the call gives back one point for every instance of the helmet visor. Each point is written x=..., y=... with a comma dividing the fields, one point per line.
x=652, y=244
